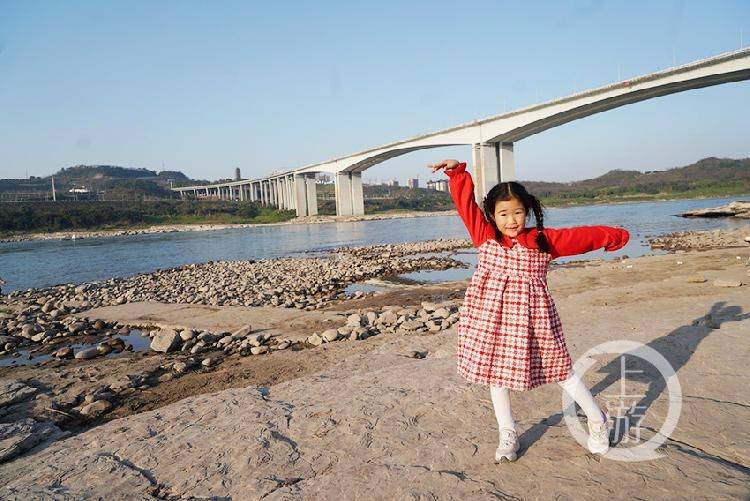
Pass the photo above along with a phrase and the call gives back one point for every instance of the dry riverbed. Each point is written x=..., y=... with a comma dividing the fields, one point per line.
x=365, y=394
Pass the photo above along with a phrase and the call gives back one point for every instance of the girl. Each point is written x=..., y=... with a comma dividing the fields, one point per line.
x=509, y=334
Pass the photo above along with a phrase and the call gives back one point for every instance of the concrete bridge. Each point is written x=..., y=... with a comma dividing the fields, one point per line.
x=492, y=139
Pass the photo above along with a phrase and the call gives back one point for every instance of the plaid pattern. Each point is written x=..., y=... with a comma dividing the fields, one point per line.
x=509, y=331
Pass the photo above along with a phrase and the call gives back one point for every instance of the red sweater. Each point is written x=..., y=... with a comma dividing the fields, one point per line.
x=562, y=241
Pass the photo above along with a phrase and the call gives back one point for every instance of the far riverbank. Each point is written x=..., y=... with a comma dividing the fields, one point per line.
x=319, y=219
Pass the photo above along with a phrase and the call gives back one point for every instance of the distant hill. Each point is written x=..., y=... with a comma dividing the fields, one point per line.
x=108, y=182
x=710, y=176
x=702, y=175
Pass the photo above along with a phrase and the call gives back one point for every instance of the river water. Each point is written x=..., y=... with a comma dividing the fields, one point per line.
x=43, y=263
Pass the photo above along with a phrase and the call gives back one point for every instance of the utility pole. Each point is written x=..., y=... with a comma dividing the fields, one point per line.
x=54, y=196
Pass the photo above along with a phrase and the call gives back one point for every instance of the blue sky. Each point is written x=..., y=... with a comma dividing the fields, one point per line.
x=205, y=87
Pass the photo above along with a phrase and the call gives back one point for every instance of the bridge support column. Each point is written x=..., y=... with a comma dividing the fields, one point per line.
x=349, y=196
x=300, y=194
x=493, y=163
x=312, y=195
x=288, y=184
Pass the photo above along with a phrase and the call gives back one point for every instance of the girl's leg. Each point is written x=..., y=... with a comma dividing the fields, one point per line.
x=583, y=397
x=501, y=403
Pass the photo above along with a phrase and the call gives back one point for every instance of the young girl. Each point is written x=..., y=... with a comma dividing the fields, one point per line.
x=509, y=334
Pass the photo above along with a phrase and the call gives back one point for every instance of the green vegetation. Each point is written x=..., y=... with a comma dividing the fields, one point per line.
x=50, y=216
x=119, y=193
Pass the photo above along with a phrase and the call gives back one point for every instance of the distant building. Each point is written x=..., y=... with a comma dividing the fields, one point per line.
x=82, y=189
x=323, y=178
x=392, y=182
x=412, y=182
x=439, y=185
x=237, y=176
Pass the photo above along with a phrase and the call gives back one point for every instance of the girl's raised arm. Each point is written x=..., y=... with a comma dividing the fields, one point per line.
x=582, y=239
x=462, y=193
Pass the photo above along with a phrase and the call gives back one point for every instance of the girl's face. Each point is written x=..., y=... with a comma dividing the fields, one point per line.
x=510, y=216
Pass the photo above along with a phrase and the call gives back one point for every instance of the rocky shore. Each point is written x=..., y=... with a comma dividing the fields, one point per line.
x=702, y=240
x=60, y=325
x=320, y=393
x=739, y=209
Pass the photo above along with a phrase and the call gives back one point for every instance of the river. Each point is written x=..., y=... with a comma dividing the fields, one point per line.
x=43, y=263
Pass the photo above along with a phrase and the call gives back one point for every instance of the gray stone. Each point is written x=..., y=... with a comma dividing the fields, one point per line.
x=180, y=367
x=330, y=335
x=38, y=338
x=258, y=350
x=187, y=334
x=66, y=352
x=255, y=340
x=354, y=320
x=315, y=340
x=165, y=340
x=88, y=353
x=96, y=408
x=412, y=325
x=283, y=345
x=442, y=313
x=225, y=341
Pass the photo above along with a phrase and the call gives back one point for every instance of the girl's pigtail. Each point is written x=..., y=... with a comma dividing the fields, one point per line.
x=541, y=239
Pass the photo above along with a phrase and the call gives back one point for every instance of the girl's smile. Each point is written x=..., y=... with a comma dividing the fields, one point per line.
x=510, y=217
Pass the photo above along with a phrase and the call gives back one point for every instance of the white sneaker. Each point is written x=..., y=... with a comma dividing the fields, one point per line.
x=598, y=442
x=508, y=447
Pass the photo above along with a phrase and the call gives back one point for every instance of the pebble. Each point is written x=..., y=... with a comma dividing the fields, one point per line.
x=258, y=350
x=66, y=352
x=696, y=279
x=187, y=334
x=180, y=367
x=96, y=408
x=88, y=353
x=283, y=345
x=330, y=335
x=207, y=362
x=315, y=340
x=727, y=283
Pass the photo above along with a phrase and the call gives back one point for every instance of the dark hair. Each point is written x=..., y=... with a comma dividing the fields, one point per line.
x=505, y=191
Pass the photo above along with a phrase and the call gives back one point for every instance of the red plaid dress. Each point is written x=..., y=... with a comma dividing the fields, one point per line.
x=509, y=332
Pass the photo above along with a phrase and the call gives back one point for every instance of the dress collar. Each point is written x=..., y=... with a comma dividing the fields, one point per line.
x=509, y=242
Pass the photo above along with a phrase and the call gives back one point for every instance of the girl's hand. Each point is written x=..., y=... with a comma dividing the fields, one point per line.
x=443, y=164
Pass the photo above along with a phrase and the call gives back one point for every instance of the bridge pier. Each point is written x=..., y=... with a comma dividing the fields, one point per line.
x=305, y=198
x=349, y=195
x=493, y=163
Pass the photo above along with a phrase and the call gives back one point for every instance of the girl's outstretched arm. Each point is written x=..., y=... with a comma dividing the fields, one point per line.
x=582, y=239
x=462, y=193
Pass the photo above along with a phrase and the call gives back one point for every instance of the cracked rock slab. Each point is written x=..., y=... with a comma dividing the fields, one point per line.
x=18, y=437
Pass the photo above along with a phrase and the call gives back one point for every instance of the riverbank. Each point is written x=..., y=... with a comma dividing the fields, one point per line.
x=320, y=219
x=172, y=228
x=386, y=412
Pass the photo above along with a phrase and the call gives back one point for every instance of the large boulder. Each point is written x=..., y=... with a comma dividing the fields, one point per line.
x=165, y=340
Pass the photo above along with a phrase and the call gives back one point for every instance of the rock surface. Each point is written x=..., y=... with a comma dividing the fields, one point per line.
x=374, y=423
x=739, y=209
x=18, y=437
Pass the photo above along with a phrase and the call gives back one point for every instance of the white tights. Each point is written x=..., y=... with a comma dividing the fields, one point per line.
x=573, y=385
